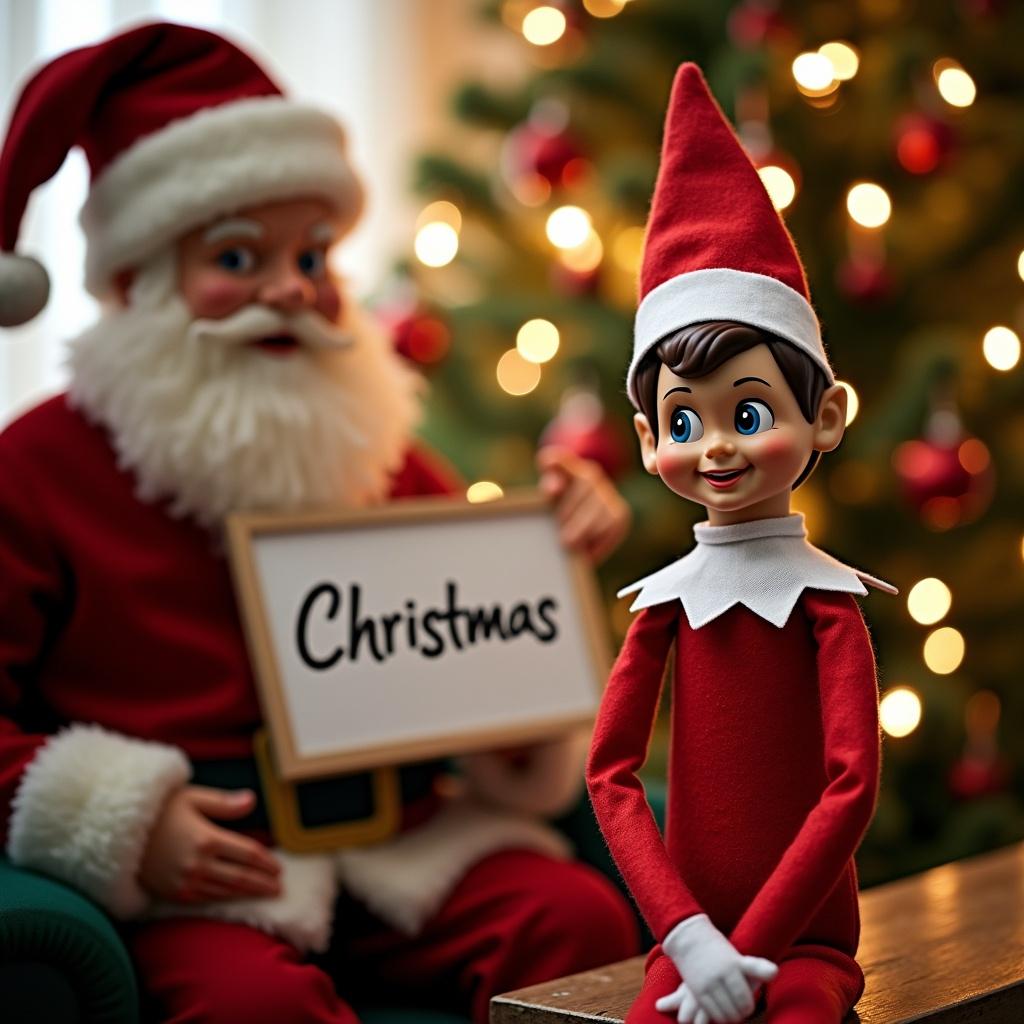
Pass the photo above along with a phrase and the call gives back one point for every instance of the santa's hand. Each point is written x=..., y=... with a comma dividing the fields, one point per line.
x=189, y=859
x=681, y=1004
x=593, y=517
x=723, y=981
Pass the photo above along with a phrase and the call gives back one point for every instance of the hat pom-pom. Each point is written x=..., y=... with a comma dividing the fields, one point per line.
x=24, y=288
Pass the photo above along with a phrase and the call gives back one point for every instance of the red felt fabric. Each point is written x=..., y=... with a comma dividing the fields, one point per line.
x=516, y=918
x=773, y=771
x=106, y=96
x=113, y=612
x=710, y=208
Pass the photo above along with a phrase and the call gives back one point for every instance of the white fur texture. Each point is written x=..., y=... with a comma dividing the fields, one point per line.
x=216, y=427
x=84, y=808
x=214, y=162
x=406, y=880
x=546, y=782
x=24, y=288
x=302, y=915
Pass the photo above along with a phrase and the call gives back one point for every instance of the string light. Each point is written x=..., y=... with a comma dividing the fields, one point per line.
x=484, y=490
x=929, y=601
x=974, y=456
x=955, y=86
x=544, y=26
x=1020, y=265
x=537, y=340
x=586, y=257
x=900, y=711
x=443, y=212
x=568, y=227
x=779, y=184
x=1001, y=347
x=843, y=58
x=604, y=8
x=868, y=204
x=814, y=74
x=944, y=650
x=852, y=402
x=436, y=244
x=516, y=375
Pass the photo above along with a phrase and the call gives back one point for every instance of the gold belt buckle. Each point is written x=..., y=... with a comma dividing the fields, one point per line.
x=282, y=804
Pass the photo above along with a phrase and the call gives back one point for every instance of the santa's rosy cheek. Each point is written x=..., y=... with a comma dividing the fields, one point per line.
x=215, y=295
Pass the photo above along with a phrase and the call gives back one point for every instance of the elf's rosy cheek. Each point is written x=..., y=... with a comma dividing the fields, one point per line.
x=775, y=446
x=676, y=463
x=213, y=294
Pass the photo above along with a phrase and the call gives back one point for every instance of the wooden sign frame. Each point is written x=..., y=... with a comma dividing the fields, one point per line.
x=244, y=529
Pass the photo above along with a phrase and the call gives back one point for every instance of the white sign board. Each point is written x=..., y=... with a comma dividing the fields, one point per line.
x=421, y=629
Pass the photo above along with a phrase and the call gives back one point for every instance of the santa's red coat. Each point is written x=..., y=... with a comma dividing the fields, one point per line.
x=773, y=772
x=113, y=612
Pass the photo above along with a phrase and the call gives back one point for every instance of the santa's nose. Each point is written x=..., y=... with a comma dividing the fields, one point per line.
x=288, y=290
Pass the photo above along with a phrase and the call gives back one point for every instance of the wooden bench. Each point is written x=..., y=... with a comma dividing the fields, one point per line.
x=946, y=945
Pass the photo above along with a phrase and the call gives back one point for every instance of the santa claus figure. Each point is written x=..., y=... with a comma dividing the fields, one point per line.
x=229, y=372
x=775, y=742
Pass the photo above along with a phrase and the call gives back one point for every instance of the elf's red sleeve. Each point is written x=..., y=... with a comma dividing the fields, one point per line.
x=622, y=734
x=832, y=831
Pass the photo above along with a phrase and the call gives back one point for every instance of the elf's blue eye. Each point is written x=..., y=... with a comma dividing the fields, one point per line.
x=685, y=425
x=312, y=262
x=237, y=260
x=754, y=417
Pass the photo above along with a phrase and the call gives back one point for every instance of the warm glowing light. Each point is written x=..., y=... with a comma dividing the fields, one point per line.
x=436, y=244
x=544, y=26
x=843, y=58
x=537, y=340
x=974, y=456
x=1002, y=348
x=443, y=212
x=929, y=601
x=868, y=204
x=956, y=87
x=484, y=490
x=628, y=249
x=779, y=184
x=900, y=711
x=944, y=650
x=852, y=401
x=604, y=8
x=814, y=74
x=516, y=375
x=568, y=227
x=586, y=257
x=1020, y=265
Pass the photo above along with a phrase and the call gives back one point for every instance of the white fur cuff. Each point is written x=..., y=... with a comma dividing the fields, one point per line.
x=84, y=808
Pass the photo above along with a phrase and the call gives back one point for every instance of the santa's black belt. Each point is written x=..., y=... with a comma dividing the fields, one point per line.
x=326, y=813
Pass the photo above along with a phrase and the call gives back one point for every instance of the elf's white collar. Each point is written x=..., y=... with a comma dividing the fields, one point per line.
x=765, y=564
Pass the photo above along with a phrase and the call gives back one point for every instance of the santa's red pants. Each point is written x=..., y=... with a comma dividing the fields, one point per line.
x=515, y=919
x=815, y=985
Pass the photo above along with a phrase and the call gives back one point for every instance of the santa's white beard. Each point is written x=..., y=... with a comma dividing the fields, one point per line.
x=214, y=426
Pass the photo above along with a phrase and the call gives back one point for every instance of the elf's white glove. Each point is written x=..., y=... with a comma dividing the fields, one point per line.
x=722, y=983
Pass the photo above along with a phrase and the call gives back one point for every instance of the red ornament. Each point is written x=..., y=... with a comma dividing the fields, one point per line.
x=865, y=279
x=418, y=334
x=533, y=151
x=922, y=143
x=975, y=775
x=583, y=427
x=574, y=282
x=756, y=22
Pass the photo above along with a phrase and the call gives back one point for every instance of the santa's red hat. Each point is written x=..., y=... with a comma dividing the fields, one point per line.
x=179, y=126
x=716, y=248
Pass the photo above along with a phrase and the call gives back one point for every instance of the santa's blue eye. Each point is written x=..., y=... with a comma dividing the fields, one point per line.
x=312, y=262
x=685, y=425
x=238, y=259
x=753, y=417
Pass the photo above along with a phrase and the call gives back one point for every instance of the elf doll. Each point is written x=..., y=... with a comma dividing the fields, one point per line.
x=774, y=755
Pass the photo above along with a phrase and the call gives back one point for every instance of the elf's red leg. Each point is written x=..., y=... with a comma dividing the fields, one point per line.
x=815, y=985
x=660, y=980
x=211, y=972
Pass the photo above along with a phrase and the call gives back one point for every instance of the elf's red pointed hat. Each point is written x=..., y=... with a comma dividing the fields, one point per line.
x=179, y=126
x=716, y=248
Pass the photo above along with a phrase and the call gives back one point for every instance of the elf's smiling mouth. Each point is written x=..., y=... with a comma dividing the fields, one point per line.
x=723, y=479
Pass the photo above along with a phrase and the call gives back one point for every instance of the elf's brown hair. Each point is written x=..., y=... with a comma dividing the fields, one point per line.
x=700, y=349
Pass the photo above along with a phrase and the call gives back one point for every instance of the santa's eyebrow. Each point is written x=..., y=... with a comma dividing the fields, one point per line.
x=323, y=233
x=234, y=227
x=746, y=380
x=671, y=390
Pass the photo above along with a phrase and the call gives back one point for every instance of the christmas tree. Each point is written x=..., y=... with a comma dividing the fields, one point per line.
x=890, y=134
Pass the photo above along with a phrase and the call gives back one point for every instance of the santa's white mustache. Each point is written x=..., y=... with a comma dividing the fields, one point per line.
x=251, y=323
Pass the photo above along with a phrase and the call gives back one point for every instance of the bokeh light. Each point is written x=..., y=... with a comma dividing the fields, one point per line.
x=929, y=601
x=443, y=212
x=779, y=184
x=568, y=227
x=852, y=402
x=868, y=204
x=956, y=87
x=900, y=711
x=484, y=490
x=516, y=375
x=1020, y=265
x=814, y=74
x=628, y=249
x=436, y=244
x=544, y=26
x=843, y=58
x=1001, y=347
x=586, y=257
x=944, y=650
x=537, y=340
x=604, y=8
